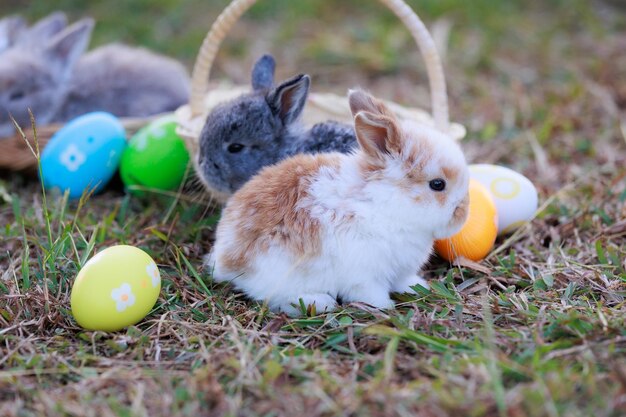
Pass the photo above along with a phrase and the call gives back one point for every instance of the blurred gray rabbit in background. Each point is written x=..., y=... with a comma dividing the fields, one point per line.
x=43, y=68
x=261, y=128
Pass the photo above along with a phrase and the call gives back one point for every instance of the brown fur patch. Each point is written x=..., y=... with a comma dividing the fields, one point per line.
x=264, y=211
x=371, y=168
x=234, y=261
x=418, y=156
x=460, y=213
x=415, y=160
x=451, y=173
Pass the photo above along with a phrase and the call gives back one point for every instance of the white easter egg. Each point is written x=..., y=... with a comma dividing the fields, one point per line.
x=514, y=195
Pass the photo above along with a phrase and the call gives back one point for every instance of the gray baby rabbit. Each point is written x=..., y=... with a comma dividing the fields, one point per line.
x=261, y=128
x=58, y=83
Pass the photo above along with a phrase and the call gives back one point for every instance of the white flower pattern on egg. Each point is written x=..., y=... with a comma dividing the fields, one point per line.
x=153, y=272
x=72, y=158
x=123, y=296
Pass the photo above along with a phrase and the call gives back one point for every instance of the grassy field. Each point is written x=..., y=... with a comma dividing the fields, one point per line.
x=538, y=329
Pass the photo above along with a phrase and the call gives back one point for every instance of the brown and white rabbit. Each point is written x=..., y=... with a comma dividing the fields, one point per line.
x=356, y=226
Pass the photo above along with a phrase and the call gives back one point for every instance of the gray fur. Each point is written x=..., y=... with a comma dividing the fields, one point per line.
x=337, y=137
x=264, y=125
x=125, y=81
x=57, y=82
x=263, y=73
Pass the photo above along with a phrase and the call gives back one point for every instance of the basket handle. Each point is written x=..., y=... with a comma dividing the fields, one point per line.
x=232, y=13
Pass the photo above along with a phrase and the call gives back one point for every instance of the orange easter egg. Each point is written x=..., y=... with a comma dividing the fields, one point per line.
x=478, y=234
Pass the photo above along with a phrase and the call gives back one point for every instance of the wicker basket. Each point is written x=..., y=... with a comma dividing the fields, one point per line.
x=320, y=107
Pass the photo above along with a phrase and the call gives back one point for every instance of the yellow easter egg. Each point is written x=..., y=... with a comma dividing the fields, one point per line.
x=116, y=288
x=514, y=195
x=478, y=234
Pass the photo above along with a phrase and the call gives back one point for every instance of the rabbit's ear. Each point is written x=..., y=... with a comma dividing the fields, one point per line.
x=10, y=29
x=288, y=99
x=263, y=73
x=45, y=28
x=378, y=135
x=361, y=101
x=66, y=47
x=376, y=127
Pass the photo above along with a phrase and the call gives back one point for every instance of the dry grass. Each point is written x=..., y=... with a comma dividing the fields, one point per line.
x=537, y=330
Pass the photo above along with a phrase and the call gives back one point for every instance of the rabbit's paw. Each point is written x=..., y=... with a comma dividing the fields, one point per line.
x=405, y=284
x=376, y=296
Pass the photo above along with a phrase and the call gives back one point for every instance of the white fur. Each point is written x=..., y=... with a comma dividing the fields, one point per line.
x=375, y=236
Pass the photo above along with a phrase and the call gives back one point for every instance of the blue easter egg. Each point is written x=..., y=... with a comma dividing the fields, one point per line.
x=84, y=154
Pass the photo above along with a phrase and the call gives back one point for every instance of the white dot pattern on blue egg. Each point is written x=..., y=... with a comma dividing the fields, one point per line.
x=514, y=195
x=72, y=158
x=84, y=154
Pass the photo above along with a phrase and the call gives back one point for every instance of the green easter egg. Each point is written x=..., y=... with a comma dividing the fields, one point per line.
x=116, y=288
x=156, y=157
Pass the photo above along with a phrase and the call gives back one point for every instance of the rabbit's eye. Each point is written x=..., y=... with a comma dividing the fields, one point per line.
x=235, y=147
x=16, y=95
x=437, y=184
